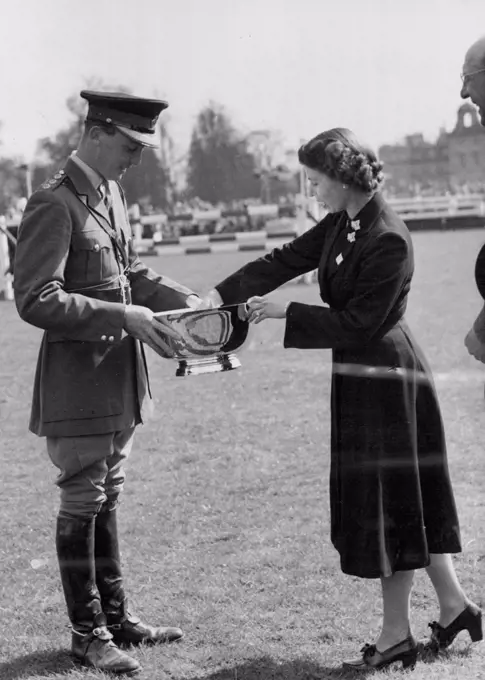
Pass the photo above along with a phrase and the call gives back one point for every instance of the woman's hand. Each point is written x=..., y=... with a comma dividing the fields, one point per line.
x=260, y=308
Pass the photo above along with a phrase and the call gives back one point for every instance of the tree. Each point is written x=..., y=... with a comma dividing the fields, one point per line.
x=56, y=150
x=277, y=178
x=150, y=184
x=12, y=184
x=220, y=167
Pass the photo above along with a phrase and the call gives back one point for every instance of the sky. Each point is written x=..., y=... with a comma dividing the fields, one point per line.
x=384, y=68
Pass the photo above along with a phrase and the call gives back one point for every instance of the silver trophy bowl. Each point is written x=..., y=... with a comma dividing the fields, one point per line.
x=211, y=338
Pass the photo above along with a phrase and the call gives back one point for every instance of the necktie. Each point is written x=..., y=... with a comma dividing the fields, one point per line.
x=106, y=196
x=118, y=237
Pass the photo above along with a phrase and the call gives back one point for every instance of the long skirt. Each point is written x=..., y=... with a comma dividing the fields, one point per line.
x=391, y=497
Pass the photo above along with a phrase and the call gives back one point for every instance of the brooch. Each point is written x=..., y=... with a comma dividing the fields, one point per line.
x=355, y=225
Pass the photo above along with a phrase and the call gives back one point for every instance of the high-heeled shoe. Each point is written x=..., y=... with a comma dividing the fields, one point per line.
x=405, y=651
x=470, y=619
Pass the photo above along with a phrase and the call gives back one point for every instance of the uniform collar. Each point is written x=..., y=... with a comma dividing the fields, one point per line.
x=93, y=175
x=85, y=188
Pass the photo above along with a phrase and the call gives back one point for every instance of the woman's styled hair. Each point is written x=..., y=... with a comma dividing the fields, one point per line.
x=338, y=154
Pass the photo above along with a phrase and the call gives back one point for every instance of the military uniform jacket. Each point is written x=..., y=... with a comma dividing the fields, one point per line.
x=70, y=264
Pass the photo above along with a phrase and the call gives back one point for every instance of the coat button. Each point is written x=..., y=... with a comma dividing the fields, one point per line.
x=111, y=338
x=96, y=246
x=104, y=338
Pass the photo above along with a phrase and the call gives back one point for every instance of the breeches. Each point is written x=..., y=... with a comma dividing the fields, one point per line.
x=90, y=470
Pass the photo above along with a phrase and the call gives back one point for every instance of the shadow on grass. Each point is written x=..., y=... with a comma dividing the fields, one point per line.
x=266, y=668
x=39, y=664
x=452, y=654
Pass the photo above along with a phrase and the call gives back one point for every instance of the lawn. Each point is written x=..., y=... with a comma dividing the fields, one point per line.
x=225, y=520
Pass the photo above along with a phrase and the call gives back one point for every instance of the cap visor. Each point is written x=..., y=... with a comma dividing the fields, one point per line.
x=143, y=138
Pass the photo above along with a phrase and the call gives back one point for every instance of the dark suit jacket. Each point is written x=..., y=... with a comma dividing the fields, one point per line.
x=475, y=338
x=67, y=282
x=365, y=282
x=479, y=323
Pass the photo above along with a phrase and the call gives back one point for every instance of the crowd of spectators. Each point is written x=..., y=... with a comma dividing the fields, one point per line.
x=185, y=218
x=194, y=217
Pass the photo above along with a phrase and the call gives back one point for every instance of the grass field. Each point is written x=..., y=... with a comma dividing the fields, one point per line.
x=224, y=520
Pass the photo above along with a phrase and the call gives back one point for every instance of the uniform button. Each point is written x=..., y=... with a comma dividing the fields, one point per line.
x=96, y=246
x=111, y=338
x=103, y=338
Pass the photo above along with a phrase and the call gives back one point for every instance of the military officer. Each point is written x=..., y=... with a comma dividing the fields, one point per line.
x=78, y=277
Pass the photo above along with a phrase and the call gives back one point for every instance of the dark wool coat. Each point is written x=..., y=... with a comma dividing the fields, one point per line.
x=91, y=376
x=390, y=493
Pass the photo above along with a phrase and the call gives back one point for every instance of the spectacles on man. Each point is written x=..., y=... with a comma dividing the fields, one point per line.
x=465, y=77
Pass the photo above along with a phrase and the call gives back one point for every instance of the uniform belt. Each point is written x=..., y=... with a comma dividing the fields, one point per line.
x=109, y=294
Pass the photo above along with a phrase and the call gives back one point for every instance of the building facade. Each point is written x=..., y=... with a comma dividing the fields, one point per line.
x=454, y=163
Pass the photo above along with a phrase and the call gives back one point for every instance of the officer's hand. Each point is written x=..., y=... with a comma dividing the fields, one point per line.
x=141, y=323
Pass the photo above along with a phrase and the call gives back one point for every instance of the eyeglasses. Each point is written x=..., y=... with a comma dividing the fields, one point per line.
x=465, y=77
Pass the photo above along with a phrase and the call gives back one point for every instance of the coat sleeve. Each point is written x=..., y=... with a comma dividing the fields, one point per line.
x=382, y=279
x=267, y=273
x=152, y=290
x=42, y=250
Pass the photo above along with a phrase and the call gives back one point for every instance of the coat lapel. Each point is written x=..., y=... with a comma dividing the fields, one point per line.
x=331, y=259
x=348, y=249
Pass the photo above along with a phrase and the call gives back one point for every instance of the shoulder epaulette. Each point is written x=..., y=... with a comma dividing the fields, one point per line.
x=54, y=182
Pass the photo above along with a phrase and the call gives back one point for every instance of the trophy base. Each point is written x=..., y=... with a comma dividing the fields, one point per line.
x=217, y=364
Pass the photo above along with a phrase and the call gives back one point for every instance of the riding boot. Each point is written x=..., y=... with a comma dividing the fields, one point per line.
x=92, y=643
x=107, y=560
x=125, y=628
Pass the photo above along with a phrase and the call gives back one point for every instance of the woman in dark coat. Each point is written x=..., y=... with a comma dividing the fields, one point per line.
x=392, y=505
